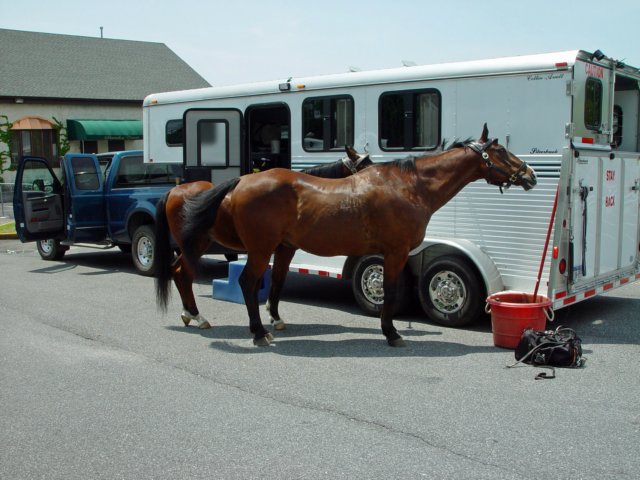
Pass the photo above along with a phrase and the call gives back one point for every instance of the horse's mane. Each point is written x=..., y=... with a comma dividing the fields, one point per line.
x=330, y=170
x=455, y=143
x=408, y=164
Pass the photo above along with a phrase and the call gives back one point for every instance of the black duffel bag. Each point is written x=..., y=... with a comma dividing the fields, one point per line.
x=552, y=348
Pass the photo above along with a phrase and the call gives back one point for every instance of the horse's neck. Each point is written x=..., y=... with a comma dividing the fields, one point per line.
x=443, y=176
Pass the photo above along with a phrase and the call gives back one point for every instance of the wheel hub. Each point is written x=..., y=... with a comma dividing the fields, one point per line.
x=145, y=251
x=447, y=292
x=373, y=284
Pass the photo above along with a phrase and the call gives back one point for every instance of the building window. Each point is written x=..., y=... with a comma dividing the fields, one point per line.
x=593, y=104
x=89, y=146
x=409, y=120
x=35, y=143
x=327, y=123
x=115, y=145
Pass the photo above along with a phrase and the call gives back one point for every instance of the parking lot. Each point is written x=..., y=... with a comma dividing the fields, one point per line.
x=96, y=383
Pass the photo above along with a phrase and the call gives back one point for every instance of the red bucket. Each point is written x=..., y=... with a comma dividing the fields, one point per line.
x=513, y=312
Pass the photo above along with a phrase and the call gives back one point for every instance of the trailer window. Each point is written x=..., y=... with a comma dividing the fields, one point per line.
x=409, y=120
x=174, y=131
x=593, y=104
x=212, y=143
x=327, y=123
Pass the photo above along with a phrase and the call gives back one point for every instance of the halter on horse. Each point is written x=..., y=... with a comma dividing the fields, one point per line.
x=169, y=222
x=384, y=209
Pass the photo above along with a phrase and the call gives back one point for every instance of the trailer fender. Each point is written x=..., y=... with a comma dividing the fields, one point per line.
x=431, y=248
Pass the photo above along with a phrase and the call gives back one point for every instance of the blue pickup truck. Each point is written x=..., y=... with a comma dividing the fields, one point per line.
x=105, y=200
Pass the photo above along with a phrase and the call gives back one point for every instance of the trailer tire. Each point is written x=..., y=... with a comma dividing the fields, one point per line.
x=450, y=291
x=143, y=245
x=50, y=249
x=367, y=286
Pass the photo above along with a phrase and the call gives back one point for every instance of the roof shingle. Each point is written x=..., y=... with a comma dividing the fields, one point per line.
x=46, y=65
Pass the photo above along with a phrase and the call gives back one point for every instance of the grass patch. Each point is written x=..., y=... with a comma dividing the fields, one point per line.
x=8, y=228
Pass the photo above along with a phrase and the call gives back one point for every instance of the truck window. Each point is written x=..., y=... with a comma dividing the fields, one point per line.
x=38, y=178
x=409, y=120
x=85, y=174
x=132, y=171
x=593, y=104
x=327, y=123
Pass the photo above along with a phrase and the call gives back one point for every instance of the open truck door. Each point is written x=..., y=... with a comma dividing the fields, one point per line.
x=38, y=205
x=52, y=210
x=212, y=144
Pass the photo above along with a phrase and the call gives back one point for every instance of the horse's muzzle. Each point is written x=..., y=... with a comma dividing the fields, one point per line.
x=529, y=181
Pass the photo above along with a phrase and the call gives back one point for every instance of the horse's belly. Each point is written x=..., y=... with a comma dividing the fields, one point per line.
x=331, y=238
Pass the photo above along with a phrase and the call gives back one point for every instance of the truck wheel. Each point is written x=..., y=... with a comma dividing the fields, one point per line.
x=367, y=286
x=51, y=249
x=450, y=291
x=142, y=248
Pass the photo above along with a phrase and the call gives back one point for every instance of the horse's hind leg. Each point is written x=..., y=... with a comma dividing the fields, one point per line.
x=250, y=283
x=183, y=278
x=281, y=261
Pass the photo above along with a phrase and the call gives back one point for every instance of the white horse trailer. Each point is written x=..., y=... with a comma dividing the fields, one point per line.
x=573, y=116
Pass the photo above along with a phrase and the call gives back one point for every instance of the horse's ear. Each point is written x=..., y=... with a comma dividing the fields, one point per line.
x=351, y=153
x=485, y=134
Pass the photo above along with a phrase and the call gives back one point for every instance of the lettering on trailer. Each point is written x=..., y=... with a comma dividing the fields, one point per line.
x=543, y=151
x=595, y=71
x=610, y=200
x=550, y=76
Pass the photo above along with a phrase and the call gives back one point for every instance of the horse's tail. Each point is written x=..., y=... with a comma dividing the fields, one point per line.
x=163, y=254
x=200, y=212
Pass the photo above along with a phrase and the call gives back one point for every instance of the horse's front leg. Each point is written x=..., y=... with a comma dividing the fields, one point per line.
x=281, y=261
x=250, y=284
x=393, y=265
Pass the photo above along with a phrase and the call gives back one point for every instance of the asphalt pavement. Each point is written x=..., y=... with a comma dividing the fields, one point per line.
x=97, y=383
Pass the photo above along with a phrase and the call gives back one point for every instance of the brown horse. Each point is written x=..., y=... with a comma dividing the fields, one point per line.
x=169, y=223
x=383, y=209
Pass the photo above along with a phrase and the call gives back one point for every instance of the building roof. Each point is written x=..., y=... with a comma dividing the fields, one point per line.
x=45, y=65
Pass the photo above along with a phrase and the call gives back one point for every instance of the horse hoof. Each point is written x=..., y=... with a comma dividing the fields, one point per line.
x=204, y=325
x=263, y=341
x=279, y=325
x=396, y=342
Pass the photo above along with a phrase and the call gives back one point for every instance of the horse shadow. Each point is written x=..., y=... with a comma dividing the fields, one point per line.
x=310, y=341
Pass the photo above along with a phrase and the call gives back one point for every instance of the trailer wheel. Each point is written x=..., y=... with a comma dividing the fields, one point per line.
x=51, y=249
x=142, y=250
x=367, y=286
x=450, y=291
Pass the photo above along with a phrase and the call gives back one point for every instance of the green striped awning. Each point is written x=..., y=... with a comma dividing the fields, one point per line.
x=103, y=129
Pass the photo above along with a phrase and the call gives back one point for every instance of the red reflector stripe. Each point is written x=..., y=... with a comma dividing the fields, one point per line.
x=623, y=281
x=587, y=140
x=607, y=286
x=560, y=295
x=589, y=293
x=569, y=300
x=562, y=65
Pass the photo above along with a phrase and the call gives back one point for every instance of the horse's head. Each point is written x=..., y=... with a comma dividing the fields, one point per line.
x=501, y=167
x=355, y=161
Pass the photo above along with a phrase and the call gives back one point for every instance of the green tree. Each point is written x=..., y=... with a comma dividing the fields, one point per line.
x=5, y=144
x=63, y=139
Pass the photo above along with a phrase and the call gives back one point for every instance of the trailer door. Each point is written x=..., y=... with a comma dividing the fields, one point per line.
x=604, y=216
x=213, y=144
